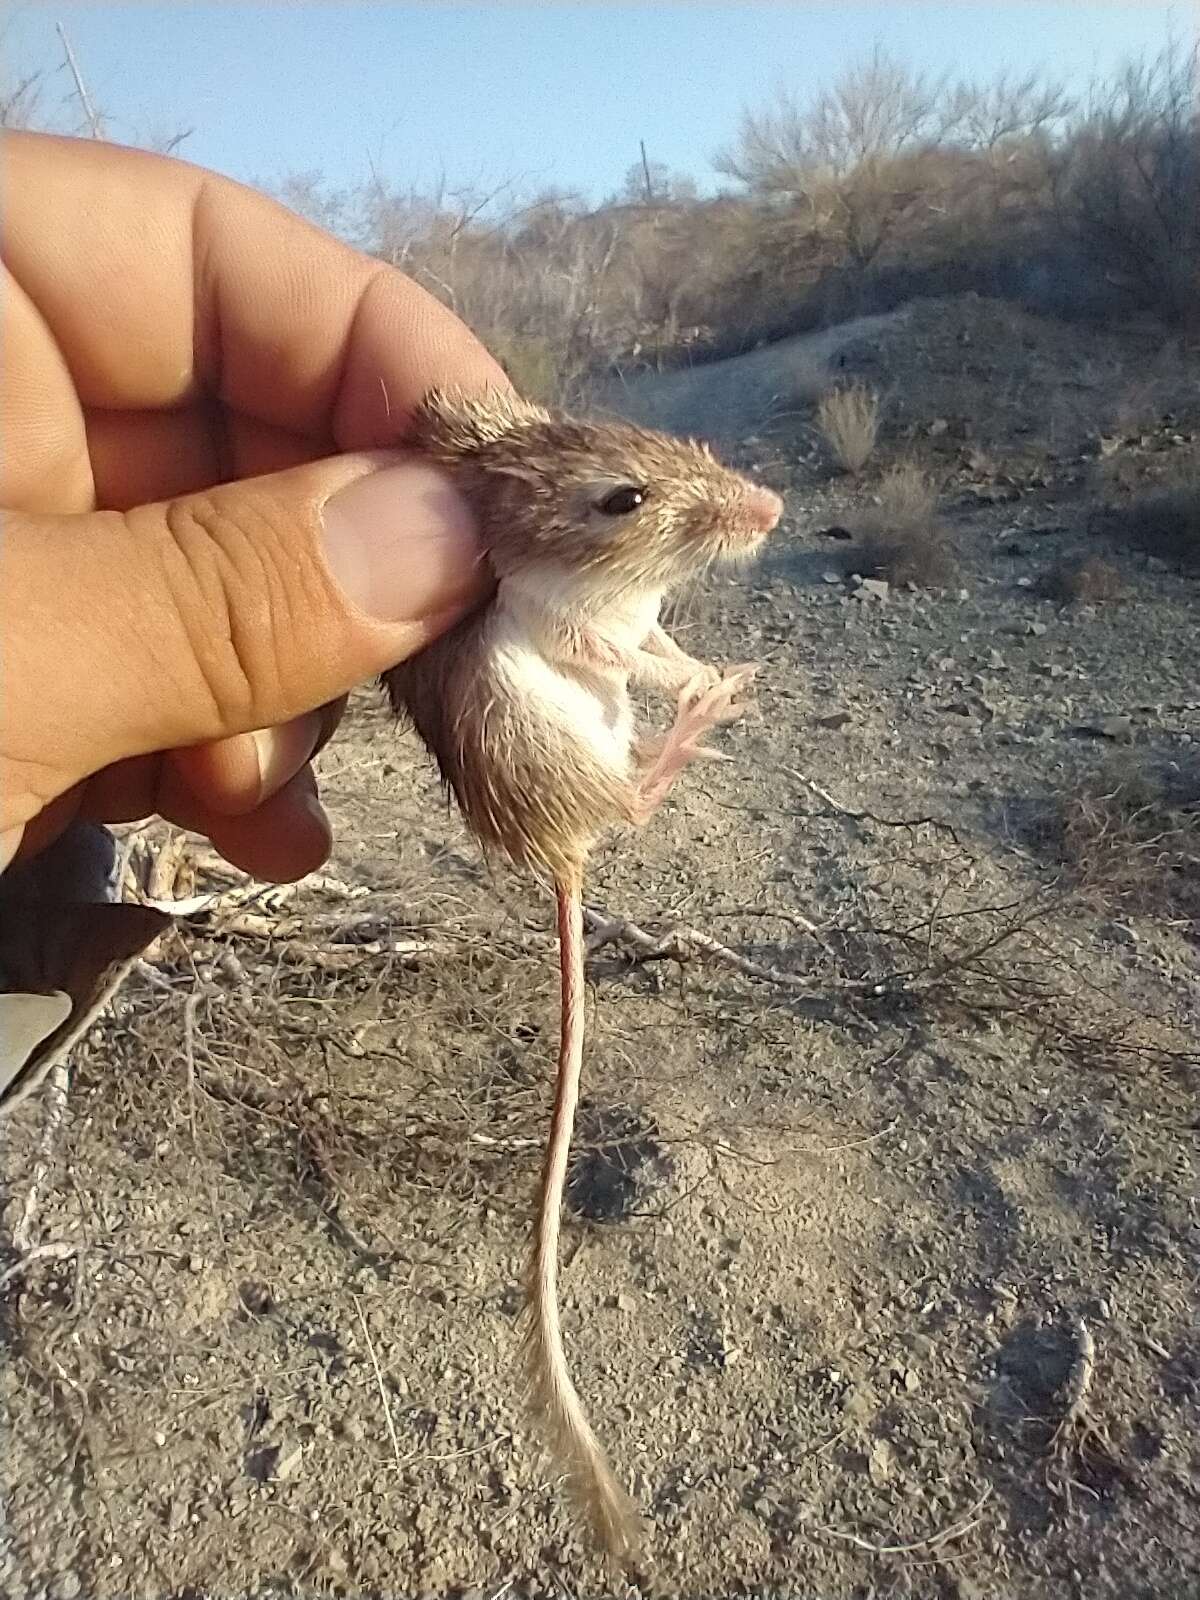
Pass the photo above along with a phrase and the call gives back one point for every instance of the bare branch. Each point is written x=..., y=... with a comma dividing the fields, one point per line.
x=20, y=100
x=95, y=121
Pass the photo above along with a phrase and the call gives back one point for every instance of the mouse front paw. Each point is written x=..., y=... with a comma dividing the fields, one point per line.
x=711, y=697
x=707, y=701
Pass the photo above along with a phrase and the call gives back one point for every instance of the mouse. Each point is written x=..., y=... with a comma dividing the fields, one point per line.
x=525, y=707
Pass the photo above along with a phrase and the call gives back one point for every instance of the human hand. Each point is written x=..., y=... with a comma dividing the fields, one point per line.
x=209, y=536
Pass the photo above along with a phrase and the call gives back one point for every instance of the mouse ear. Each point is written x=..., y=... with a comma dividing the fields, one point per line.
x=451, y=424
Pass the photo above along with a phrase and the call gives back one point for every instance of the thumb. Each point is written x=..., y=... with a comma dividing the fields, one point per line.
x=220, y=612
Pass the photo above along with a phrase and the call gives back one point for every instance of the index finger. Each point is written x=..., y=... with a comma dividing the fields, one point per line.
x=163, y=284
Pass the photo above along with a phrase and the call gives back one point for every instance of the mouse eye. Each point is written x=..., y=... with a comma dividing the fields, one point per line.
x=622, y=501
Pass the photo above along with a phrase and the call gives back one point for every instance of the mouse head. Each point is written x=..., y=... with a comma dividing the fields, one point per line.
x=620, y=506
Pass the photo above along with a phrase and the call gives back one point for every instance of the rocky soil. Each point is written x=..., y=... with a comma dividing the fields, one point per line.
x=882, y=1261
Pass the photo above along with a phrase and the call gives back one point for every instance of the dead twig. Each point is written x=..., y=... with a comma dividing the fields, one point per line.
x=778, y=913
x=190, y=1007
x=826, y=799
x=1079, y=1442
x=387, y=1410
x=52, y=1250
x=682, y=943
x=288, y=934
x=933, y=1542
x=56, y=1104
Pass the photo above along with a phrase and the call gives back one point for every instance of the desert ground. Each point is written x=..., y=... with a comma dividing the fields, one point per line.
x=881, y=1262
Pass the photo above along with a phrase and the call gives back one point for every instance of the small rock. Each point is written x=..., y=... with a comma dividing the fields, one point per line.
x=288, y=1464
x=256, y=1297
x=912, y=1380
x=835, y=720
x=1118, y=729
x=260, y=1463
x=860, y=1405
x=880, y=1462
x=875, y=588
x=965, y=1589
x=68, y=1587
x=831, y=577
x=1119, y=933
x=835, y=532
x=996, y=661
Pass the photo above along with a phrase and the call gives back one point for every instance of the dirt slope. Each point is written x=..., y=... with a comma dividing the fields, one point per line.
x=725, y=400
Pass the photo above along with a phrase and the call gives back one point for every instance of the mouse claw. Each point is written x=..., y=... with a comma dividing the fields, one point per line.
x=740, y=677
x=693, y=693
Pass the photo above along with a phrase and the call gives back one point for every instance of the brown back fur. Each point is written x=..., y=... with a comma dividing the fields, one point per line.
x=498, y=760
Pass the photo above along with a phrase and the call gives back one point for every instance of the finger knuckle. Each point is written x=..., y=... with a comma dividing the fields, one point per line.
x=236, y=583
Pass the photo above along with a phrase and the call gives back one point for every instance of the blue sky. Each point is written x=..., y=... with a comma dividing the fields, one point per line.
x=557, y=94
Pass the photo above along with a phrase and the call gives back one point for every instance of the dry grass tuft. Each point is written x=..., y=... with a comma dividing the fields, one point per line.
x=849, y=420
x=899, y=537
x=907, y=493
x=1086, y=580
x=1165, y=524
x=1131, y=840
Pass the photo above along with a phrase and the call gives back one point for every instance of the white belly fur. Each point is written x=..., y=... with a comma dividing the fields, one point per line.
x=592, y=710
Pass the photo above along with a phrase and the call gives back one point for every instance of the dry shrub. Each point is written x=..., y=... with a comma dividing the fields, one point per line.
x=882, y=186
x=537, y=367
x=1131, y=839
x=899, y=537
x=1087, y=580
x=907, y=493
x=849, y=420
x=354, y=1117
x=1128, y=184
x=1165, y=524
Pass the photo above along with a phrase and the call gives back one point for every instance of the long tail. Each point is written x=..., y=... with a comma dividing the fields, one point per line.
x=613, y=1518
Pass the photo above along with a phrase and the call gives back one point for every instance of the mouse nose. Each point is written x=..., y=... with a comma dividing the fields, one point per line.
x=765, y=508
